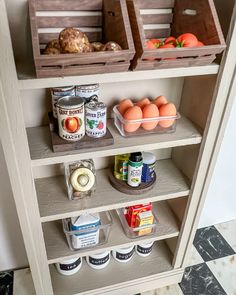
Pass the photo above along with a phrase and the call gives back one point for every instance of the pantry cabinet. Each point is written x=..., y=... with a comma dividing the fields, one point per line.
x=186, y=160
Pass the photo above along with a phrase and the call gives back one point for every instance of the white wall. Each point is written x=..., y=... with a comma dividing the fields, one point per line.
x=12, y=250
x=220, y=205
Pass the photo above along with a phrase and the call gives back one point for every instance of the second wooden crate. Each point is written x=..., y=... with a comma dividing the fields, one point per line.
x=101, y=20
x=151, y=19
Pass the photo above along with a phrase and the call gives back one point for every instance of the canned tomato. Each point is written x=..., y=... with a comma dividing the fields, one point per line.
x=88, y=92
x=58, y=92
x=70, y=111
x=96, y=119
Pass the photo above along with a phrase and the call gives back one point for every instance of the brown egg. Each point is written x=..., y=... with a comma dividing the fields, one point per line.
x=143, y=102
x=150, y=111
x=167, y=109
x=124, y=105
x=160, y=100
x=133, y=113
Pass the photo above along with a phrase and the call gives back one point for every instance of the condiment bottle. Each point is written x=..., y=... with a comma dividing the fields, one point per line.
x=135, y=166
x=149, y=162
x=121, y=166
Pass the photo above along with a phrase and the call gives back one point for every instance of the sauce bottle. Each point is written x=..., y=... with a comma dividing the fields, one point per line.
x=135, y=166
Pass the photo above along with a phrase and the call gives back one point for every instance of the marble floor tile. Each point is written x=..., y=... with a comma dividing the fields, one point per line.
x=228, y=231
x=224, y=269
x=169, y=290
x=6, y=283
x=194, y=257
x=199, y=280
x=211, y=245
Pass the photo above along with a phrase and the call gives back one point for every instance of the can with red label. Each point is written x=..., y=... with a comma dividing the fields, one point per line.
x=96, y=119
x=70, y=113
x=59, y=92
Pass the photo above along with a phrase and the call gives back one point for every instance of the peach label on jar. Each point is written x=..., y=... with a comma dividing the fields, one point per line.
x=70, y=112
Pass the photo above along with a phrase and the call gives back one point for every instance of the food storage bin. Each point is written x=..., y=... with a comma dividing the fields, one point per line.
x=104, y=21
x=120, y=123
x=160, y=19
x=133, y=232
x=101, y=230
x=80, y=177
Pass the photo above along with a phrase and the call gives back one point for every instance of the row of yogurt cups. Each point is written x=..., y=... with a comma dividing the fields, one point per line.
x=101, y=260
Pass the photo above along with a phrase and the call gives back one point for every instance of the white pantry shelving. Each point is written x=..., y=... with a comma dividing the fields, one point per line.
x=183, y=170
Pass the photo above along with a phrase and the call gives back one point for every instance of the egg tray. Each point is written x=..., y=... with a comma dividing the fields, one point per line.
x=61, y=145
x=120, y=122
x=123, y=187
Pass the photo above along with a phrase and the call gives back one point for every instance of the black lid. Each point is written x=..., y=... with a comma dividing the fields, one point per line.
x=136, y=157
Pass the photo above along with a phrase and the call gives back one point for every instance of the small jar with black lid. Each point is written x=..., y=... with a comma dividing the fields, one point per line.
x=123, y=254
x=144, y=249
x=98, y=261
x=70, y=266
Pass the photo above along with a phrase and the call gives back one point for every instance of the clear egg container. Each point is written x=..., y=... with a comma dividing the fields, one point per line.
x=88, y=237
x=122, y=124
x=136, y=232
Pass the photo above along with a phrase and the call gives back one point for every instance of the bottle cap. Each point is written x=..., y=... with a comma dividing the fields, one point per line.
x=149, y=158
x=136, y=157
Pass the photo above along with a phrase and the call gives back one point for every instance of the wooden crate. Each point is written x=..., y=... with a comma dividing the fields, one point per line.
x=101, y=20
x=163, y=18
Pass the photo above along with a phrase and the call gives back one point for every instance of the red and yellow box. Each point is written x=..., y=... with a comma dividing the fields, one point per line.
x=133, y=211
x=144, y=219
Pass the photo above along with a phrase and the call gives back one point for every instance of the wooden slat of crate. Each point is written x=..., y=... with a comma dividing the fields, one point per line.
x=182, y=52
x=70, y=21
x=43, y=72
x=59, y=5
x=157, y=18
x=178, y=63
x=83, y=58
x=148, y=4
x=44, y=38
x=157, y=33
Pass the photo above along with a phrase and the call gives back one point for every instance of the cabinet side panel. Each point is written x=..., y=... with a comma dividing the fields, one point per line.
x=14, y=141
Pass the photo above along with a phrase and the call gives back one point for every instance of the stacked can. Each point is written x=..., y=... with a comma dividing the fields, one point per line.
x=96, y=119
x=88, y=92
x=70, y=111
x=59, y=92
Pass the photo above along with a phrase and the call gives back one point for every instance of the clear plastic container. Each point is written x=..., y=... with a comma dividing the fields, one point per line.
x=120, y=124
x=134, y=232
x=101, y=231
x=80, y=178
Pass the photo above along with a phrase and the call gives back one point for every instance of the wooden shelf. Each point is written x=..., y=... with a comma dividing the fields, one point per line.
x=28, y=80
x=54, y=203
x=41, y=151
x=115, y=275
x=58, y=249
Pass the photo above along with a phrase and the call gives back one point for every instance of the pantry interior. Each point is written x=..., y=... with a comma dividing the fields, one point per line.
x=200, y=95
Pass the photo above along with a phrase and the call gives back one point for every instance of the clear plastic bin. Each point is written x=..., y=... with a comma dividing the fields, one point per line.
x=120, y=123
x=99, y=233
x=134, y=232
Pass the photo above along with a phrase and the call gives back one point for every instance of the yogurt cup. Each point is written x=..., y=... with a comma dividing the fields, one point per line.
x=144, y=249
x=123, y=254
x=99, y=261
x=69, y=267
